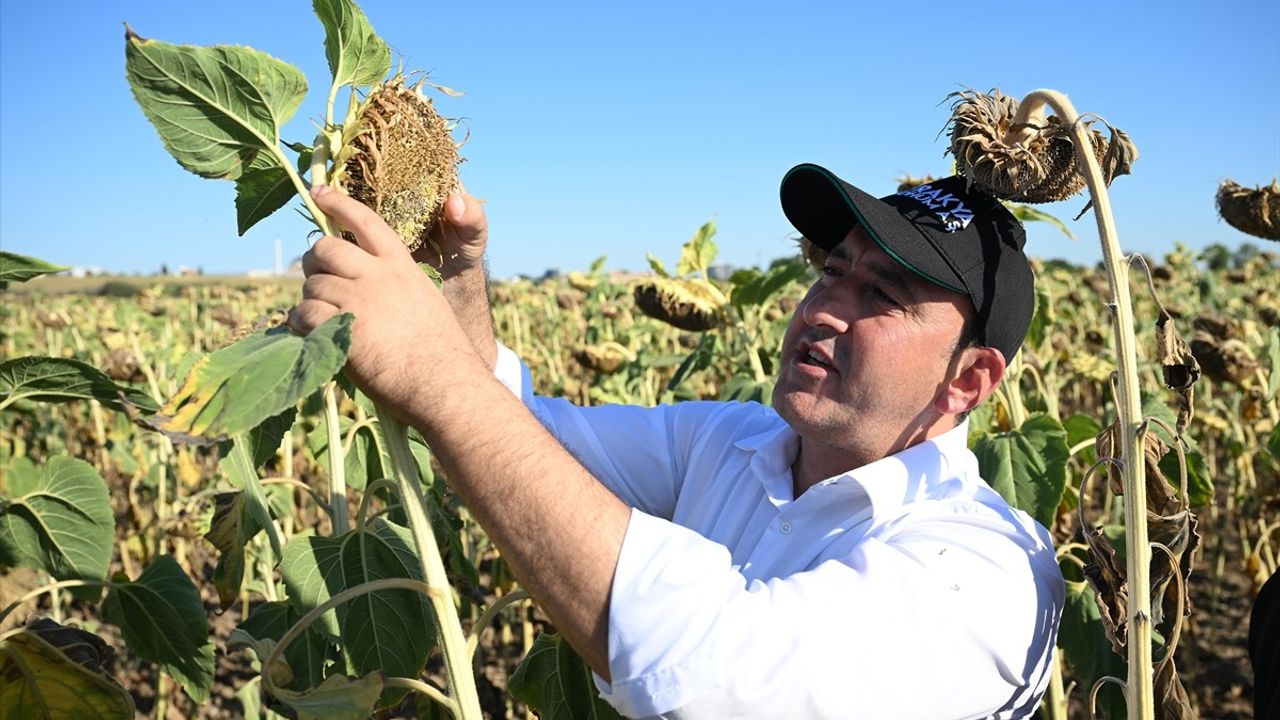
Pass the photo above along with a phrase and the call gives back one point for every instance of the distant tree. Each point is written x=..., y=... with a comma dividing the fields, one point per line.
x=164, y=269
x=1216, y=257
x=1243, y=254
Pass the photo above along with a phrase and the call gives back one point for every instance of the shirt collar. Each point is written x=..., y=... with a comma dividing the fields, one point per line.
x=898, y=479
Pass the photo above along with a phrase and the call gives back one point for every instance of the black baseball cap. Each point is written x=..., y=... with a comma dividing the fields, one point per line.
x=952, y=235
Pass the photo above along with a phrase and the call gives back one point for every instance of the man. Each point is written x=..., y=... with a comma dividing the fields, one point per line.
x=837, y=557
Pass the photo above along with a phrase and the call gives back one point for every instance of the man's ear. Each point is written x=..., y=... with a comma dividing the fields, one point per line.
x=978, y=372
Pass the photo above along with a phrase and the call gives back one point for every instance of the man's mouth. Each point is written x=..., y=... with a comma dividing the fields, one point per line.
x=809, y=355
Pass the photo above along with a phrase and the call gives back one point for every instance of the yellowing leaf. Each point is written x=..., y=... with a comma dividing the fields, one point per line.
x=238, y=387
x=40, y=682
x=337, y=698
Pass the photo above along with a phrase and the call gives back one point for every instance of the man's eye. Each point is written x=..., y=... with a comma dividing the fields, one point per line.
x=831, y=271
x=883, y=296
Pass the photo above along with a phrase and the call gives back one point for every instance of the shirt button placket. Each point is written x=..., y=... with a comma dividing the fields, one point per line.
x=785, y=528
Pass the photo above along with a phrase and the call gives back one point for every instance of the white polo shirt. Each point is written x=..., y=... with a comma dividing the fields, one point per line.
x=906, y=588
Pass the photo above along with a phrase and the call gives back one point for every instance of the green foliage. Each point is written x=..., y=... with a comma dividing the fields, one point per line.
x=119, y=289
x=57, y=519
x=1027, y=466
x=252, y=513
x=1042, y=320
x=47, y=379
x=306, y=656
x=234, y=389
x=657, y=265
x=265, y=187
x=216, y=108
x=162, y=619
x=356, y=55
x=1030, y=213
x=1199, y=484
x=698, y=254
x=230, y=530
x=362, y=462
x=555, y=682
x=20, y=268
x=752, y=288
x=338, y=698
x=389, y=630
x=1083, y=641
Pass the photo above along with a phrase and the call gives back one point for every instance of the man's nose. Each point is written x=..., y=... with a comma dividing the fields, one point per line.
x=822, y=309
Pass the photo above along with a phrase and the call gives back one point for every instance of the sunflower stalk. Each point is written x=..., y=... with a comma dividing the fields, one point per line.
x=1139, y=694
x=337, y=462
x=453, y=642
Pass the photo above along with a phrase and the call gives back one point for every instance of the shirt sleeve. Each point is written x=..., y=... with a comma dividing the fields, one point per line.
x=639, y=453
x=897, y=629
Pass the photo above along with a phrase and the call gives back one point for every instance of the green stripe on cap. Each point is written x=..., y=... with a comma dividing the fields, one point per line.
x=835, y=182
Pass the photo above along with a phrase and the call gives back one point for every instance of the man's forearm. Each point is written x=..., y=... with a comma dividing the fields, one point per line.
x=468, y=295
x=558, y=527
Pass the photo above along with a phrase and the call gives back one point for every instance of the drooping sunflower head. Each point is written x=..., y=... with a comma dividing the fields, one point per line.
x=1032, y=162
x=400, y=159
x=906, y=181
x=1255, y=211
x=693, y=305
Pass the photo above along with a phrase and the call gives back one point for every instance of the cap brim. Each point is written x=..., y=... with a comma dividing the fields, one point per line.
x=825, y=208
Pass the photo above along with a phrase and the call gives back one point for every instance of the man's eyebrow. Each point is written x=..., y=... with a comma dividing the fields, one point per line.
x=839, y=252
x=894, y=276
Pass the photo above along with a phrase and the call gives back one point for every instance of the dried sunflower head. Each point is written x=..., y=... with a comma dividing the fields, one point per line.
x=1031, y=162
x=399, y=158
x=693, y=305
x=582, y=281
x=1227, y=361
x=907, y=181
x=812, y=254
x=1255, y=211
x=606, y=358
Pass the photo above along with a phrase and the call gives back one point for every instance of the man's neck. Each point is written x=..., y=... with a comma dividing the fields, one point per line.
x=816, y=461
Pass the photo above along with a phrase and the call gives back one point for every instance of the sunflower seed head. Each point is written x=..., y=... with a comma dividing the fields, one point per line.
x=1255, y=211
x=399, y=160
x=1033, y=164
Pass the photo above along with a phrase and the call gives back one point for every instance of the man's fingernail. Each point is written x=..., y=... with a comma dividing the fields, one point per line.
x=318, y=190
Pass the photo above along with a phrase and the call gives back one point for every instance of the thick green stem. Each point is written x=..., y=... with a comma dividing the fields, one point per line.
x=337, y=463
x=1056, y=703
x=301, y=187
x=453, y=643
x=1140, y=694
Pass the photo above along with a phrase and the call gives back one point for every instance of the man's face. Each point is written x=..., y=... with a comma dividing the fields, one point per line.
x=868, y=350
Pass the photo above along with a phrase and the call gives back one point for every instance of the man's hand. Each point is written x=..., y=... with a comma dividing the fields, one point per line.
x=461, y=238
x=406, y=338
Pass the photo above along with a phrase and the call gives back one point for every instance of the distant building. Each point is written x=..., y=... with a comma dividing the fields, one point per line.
x=720, y=272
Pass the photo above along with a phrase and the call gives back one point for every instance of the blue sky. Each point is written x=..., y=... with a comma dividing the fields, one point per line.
x=614, y=129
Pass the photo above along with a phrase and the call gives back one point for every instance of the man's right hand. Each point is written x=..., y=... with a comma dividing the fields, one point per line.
x=461, y=238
